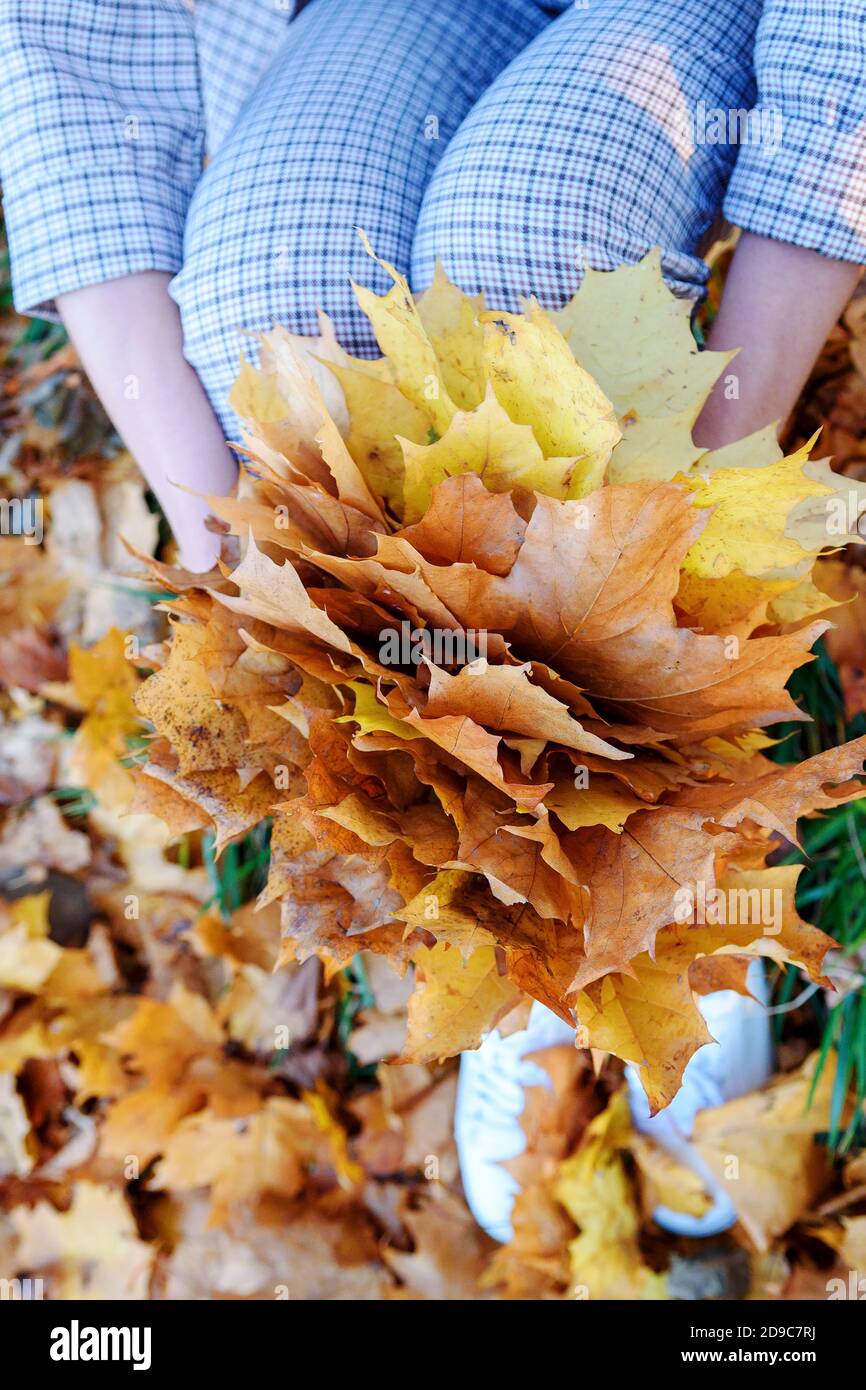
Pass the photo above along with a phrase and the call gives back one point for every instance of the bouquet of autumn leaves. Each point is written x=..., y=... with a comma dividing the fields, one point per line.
x=496, y=658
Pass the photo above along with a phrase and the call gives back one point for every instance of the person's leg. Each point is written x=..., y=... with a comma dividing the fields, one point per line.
x=343, y=131
x=493, y=1081
x=740, y=1060
x=594, y=146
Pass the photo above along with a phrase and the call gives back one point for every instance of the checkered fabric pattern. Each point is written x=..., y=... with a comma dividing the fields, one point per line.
x=587, y=150
x=810, y=59
x=513, y=138
x=344, y=131
x=107, y=109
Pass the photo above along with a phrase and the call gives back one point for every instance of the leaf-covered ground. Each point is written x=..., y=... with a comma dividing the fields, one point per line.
x=178, y=1120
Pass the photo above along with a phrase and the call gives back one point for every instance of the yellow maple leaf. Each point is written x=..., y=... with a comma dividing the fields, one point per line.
x=762, y=1149
x=540, y=383
x=401, y=335
x=379, y=417
x=487, y=442
x=665, y=1182
x=102, y=676
x=735, y=605
x=27, y=955
x=594, y=1189
x=256, y=395
x=746, y=530
x=635, y=339
x=241, y=1159
x=603, y=801
x=451, y=320
x=94, y=1246
x=456, y=1003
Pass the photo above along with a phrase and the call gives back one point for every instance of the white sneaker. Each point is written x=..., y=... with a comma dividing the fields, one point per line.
x=490, y=1099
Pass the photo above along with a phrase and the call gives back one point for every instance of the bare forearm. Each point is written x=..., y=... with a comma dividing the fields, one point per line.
x=779, y=304
x=128, y=335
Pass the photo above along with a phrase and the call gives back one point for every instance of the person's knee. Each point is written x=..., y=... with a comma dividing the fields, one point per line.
x=343, y=132
x=579, y=155
x=264, y=245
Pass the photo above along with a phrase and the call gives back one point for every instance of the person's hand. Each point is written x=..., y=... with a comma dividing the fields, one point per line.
x=128, y=335
x=778, y=307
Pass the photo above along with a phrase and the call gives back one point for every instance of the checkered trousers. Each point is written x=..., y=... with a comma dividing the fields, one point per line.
x=512, y=138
